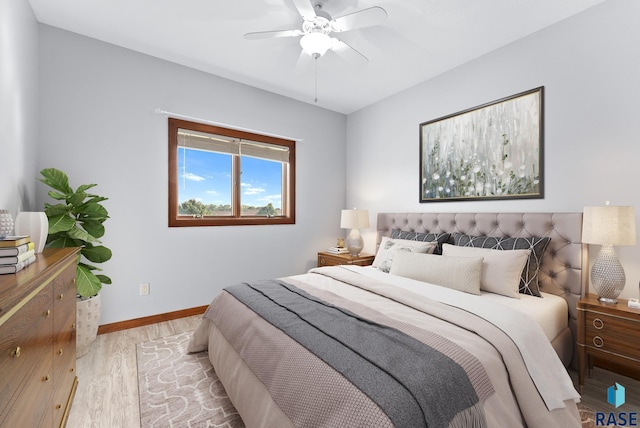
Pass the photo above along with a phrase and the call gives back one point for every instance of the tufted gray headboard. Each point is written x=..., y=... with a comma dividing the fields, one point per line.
x=563, y=270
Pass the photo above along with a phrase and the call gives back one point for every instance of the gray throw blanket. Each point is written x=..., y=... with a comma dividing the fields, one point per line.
x=414, y=384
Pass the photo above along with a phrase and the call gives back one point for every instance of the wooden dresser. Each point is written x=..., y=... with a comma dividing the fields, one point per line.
x=38, y=341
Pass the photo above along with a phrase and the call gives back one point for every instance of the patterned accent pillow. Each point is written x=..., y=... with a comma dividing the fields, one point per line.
x=388, y=248
x=537, y=245
x=440, y=238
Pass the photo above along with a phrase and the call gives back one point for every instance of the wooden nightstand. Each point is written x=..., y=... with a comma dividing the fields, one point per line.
x=608, y=332
x=329, y=259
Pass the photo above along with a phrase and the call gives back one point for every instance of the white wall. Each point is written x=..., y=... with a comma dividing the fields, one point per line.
x=96, y=124
x=590, y=68
x=18, y=105
x=94, y=121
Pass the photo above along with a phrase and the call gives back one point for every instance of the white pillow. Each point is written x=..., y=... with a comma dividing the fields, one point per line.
x=458, y=273
x=388, y=248
x=501, y=270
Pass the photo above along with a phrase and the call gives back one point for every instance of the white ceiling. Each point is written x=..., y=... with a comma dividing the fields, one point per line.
x=419, y=39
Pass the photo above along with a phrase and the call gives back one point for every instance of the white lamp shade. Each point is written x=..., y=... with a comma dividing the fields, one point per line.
x=609, y=225
x=354, y=219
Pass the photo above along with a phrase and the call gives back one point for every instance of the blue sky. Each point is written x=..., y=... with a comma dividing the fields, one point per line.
x=206, y=177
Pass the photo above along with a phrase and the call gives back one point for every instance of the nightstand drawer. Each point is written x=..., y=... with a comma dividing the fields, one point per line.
x=612, y=333
x=328, y=259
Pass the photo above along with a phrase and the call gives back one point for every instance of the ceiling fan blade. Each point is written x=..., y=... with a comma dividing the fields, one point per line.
x=272, y=34
x=305, y=8
x=347, y=52
x=362, y=18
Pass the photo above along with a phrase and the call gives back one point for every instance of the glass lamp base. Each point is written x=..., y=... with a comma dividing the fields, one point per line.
x=607, y=275
x=354, y=243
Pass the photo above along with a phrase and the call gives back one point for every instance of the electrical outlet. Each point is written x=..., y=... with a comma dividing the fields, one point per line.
x=144, y=289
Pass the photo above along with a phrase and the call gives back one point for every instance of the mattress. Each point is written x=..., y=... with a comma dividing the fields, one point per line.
x=550, y=311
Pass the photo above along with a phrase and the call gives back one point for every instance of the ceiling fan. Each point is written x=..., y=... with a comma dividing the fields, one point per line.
x=318, y=25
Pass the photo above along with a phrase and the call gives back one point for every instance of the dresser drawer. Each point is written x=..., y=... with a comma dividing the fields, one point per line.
x=614, y=334
x=64, y=345
x=26, y=364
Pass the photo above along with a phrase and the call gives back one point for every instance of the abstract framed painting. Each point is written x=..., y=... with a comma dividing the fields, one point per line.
x=493, y=151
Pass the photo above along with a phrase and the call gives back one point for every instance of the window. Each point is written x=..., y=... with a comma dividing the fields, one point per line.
x=224, y=177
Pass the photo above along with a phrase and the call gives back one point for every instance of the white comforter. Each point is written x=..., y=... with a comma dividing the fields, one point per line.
x=544, y=366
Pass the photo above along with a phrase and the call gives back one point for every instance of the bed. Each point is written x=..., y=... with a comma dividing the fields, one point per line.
x=361, y=347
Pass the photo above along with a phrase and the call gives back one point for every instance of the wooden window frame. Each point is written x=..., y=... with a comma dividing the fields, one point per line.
x=289, y=179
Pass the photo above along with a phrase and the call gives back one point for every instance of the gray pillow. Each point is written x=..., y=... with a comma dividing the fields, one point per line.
x=537, y=245
x=440, y=238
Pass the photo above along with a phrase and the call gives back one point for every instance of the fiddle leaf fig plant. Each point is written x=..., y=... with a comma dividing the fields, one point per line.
x=77, y=221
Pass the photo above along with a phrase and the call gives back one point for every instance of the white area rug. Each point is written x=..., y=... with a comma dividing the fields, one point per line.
x=179, y=389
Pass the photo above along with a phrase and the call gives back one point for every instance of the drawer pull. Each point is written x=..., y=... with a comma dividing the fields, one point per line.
x=73, y=281
x=47, y=313
x=598, y=342
x=598, y=323
x=58, y=406
x=17, y=352
x=72, y=369
x=60, y=352
x=60, y=296
x=47, y=378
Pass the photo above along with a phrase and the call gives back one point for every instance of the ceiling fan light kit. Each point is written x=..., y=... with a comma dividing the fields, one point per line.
x=317, y=25
x=315, y=44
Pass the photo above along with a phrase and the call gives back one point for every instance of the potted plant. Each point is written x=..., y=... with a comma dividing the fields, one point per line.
x=77, y=221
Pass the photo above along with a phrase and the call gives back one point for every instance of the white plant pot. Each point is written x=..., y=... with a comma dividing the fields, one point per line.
x=87, y=322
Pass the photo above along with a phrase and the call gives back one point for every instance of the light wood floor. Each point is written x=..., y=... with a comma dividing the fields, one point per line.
x=107, y=395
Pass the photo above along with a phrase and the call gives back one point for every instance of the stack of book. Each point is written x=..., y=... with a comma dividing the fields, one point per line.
x=16, y=252
x=337, y=250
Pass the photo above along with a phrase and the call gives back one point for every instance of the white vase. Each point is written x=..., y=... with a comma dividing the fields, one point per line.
x=34, y=224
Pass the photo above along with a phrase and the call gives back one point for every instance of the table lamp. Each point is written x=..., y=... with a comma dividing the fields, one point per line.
x=608, y=226
x=354, y=219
